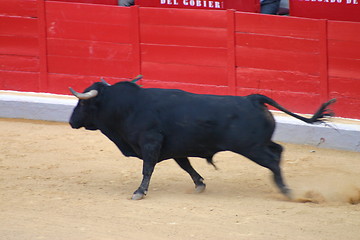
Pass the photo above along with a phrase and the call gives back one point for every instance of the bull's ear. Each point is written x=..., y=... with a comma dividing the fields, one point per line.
x=137, y=78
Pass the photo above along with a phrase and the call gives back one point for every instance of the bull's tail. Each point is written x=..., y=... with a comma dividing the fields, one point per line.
x=319, y=117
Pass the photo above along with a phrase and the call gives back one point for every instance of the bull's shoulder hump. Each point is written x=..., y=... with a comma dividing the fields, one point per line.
x=164, y=91
x=175, y=95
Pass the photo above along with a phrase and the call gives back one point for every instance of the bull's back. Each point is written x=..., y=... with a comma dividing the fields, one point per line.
x=201, y=125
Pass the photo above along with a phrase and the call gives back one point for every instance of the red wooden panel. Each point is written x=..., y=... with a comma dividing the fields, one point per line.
x=69, y=12
x=241, y=91
x=293, y=101
x=19, y=45
x=19, y=81
x=231, y=52
x=19, y=63
x=89, y=49
x=281, y=43
x=87, y=66
x=43, y=83
x=346, y=107
x=89, y=22
x=345, y=87
x=89, y=31
x=277, y=25
x=349, y=31
x=277, y=80
x=273, y=59
x=185, y=73
x=184, y=55
x=298, y=102
x=183, y=17
x=303, y=86
x=342, y=67
x=188, y=36
x=18, y=26
x=26, y=8
x=107, y=2
x=344, y=55
x=344, y=49
x=60, y=83
x=135, y=34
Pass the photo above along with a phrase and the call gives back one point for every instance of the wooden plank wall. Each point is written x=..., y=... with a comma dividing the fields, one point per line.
x=344, y=66
x=280, y=59
x=102, y=2
x=180, y=49
x=47, y=46
x=86, y=41
x=19, y=45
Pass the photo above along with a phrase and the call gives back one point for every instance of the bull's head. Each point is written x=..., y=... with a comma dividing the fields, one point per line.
x=85, y=113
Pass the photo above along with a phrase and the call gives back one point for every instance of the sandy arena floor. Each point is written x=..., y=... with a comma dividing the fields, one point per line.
x=58, y=183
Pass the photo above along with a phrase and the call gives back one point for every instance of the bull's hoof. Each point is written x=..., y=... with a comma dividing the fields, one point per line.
x=287, y=192
x=138, y=196
x=200, y=188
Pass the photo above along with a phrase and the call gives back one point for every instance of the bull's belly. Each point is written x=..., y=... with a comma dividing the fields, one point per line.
x=197, y=150
x=208, y=146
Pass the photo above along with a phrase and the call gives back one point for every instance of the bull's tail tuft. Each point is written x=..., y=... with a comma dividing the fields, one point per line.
x=323, y=113
x=320, y=115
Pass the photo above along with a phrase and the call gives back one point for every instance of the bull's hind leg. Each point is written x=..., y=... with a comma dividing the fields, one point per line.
x=185, y=164
x=277, y=149
x=270, y=157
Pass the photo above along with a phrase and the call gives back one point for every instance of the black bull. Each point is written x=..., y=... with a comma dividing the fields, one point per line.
x=157, y=124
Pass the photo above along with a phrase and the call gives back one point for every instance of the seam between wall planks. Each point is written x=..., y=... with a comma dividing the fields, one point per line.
x=136, y=38
x=43, y=76
x=324, y=64
x=231, y=69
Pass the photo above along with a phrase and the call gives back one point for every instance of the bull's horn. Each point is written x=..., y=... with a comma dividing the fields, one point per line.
x=137, y=78
x=104, y=82
x=84, y=96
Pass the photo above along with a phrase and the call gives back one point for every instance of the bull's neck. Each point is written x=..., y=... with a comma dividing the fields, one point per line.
x=121, y=99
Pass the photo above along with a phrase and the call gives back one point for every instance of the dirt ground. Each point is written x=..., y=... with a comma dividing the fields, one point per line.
x=60, y=183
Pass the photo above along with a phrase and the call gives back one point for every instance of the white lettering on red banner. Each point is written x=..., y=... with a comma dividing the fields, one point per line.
x=194, y=3
x=334, y=1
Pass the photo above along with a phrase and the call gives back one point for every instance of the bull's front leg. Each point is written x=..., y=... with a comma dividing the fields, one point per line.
x=148, y=169
x=150, y=153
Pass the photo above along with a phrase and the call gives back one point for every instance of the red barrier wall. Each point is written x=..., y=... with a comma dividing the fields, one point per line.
x=193, y=57
x=344, y=66
x=19, y=45
x=48, y=46
x=106, y=2
x=285, y=60
x=82, y=47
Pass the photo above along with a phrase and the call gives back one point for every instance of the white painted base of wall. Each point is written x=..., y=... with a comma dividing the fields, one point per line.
x=51, y=107
x=36, y=106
